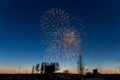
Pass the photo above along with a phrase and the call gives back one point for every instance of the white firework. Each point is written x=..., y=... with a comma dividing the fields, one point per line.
x=54, y=20
x=67, y=44
x=63, y=39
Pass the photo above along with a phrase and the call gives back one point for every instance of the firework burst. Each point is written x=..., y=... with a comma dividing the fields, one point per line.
x=54, y=20
x=64, y=45
x=63, y=39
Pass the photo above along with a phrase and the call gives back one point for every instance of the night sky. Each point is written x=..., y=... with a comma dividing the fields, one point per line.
x=21, y=36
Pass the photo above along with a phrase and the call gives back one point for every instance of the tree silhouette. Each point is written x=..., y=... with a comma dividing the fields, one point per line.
x=57, y=66
x=66, y=71
x=43, y=64
x=37, y=67
x=33, y=68
x=49, y=67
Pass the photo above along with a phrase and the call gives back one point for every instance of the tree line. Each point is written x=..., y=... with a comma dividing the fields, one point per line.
x=44, y=67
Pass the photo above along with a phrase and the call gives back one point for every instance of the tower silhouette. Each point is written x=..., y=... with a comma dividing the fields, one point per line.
x=80, y=65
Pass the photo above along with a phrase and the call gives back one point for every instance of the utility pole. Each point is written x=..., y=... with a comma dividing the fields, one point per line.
x=80, y=65
x=19, y=70
x=26, y=71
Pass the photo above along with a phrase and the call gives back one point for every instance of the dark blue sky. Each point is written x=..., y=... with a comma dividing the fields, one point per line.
x=20, y=35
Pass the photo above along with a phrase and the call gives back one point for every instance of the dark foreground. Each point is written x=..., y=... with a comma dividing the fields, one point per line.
x=59, y=77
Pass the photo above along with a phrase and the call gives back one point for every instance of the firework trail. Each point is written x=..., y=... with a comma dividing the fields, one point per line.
x=63, y=39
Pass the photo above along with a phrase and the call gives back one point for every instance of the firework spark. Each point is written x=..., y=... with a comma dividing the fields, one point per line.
x=54, y=20
x=66, y=44
x=63, y=40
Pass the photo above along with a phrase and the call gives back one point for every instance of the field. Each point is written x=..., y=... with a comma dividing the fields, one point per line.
x=59, y=77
